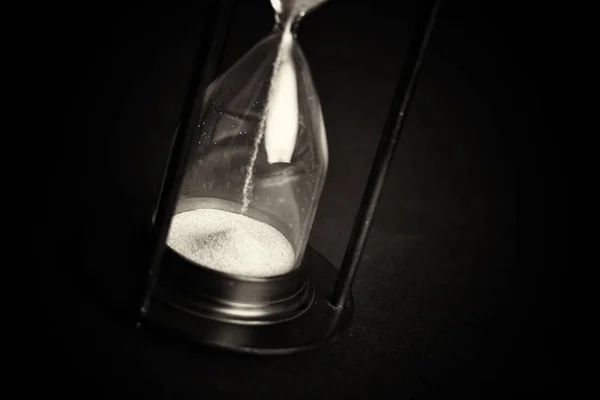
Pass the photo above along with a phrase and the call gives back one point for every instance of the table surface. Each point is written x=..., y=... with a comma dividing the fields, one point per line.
x=451, y=292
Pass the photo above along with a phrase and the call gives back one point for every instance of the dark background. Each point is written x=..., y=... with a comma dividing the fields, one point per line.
x=455, y=295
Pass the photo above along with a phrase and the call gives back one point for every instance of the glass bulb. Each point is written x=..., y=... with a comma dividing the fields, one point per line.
x=257, y=169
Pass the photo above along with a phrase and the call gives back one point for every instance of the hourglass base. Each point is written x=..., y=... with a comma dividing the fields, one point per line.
x=317, y=323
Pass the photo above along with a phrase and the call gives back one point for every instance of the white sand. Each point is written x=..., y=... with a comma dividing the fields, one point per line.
x=279, y=121
x=281, y=124
x=231, y=243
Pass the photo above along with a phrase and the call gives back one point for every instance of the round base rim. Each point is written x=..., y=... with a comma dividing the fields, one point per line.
x=320, y=323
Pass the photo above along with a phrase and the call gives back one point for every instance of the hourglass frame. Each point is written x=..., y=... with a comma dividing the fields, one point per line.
x=284, y=314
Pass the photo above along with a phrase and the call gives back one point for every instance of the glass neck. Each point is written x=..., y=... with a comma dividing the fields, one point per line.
x=282, y=20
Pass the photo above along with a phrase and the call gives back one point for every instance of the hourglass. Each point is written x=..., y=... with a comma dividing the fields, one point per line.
x=231, y=267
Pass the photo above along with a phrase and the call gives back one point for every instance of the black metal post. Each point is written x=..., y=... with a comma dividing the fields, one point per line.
x=385, y=152
x=214, y=32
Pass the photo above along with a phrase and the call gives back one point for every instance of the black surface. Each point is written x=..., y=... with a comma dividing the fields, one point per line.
x=456, y=294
